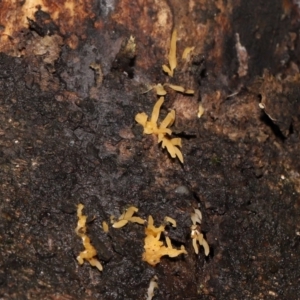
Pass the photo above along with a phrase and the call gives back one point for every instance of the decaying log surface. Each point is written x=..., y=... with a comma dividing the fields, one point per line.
x=70, y=87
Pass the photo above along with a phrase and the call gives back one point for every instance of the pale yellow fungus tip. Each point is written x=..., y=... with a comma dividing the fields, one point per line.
x=120, y=224
x=153, y=285
x=129, y=212
x=112, y=219
x=141, y=119
x=186, y=52
x=200, y=111
x=189, y=92
x=160, y=91
x=105, y=227
x=167, y=70
x=170, y=220
x=196, y=217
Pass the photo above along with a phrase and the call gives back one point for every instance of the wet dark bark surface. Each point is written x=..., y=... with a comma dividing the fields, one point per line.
x=68, y=136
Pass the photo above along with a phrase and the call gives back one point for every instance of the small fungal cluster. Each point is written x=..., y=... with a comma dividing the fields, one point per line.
x=163, y=131
x=126, y=217
x=90, y=252
x=151, y=127
x=154, y=248
x=196, y=235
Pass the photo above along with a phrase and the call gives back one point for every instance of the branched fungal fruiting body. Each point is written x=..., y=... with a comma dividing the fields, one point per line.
x=154, y=248
x=151, y=127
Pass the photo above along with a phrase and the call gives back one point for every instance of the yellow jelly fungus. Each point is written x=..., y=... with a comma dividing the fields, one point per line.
x=189, y=92
x=127, y=216
x=90, y=252
x=112, y=219
x=154, y=248
x=120, y=223
x=170, y=220
x=151, y=127
x=141, y=119
x=180, y=89
x=200, y=111
x=172, y=53
x=176, y=88
x=105, y=226
x=81, y=228
x=167, y=70
x=171, y=144
x=168, y=120
x=172, y=56
x=159, y=88
x=137, y=220
x=187, y=51
x=155, y=111
x=160, y=91
x=129, y=212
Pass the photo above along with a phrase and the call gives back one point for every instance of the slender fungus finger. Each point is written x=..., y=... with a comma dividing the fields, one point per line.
x=186, y=52
x=168, y=242
x=172, y=53
x=180, y=89
x=170, y=220
x=129, y=212
x=120, y=223
x=195, y=246
x=189, y=92
x=127, y=216
x=105, y=227
x=156, y=109
x=179, y=154
x=176, y=142
x=167, y=70
x=205, y=246
x=176, y=88
x=160, y=91
x=168, y=120
x=141, y=118
x=137, y=220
